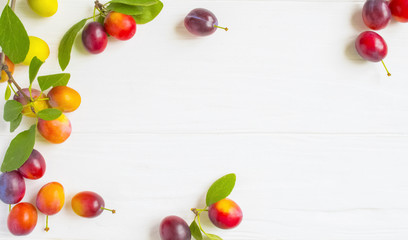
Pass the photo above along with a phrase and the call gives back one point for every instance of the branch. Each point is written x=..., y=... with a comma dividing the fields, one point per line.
x=12, y=81
x=2, y=55
x=13, y=4
x=4, y=67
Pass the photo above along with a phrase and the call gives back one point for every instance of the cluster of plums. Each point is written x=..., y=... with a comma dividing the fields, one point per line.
x=199, y=21
x=376, y=15
x=22, y=218
x=63, y=98
x=117, y=25
x=224, y=214
x=50, y=199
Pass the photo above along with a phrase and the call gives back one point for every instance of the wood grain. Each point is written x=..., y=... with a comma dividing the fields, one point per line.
x=317, y=136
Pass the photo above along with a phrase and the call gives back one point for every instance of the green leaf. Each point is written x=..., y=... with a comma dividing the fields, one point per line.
x=15, y=123
x=142, y=3
x=65, y=46
x=49, y=114
x=19, y=150
x=13, y=36
x=8, y=93
x=34, y=68
x=11, y=110
x=149, y=13
x=213, y=236
x=101, y=20
x=54, y=80
x=195, y=231
x=125, y=9
x=220, y=189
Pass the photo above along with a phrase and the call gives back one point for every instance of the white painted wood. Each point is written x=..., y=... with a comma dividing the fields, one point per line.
x=317, y=136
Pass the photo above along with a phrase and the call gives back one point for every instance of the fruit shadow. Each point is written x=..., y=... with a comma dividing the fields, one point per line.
x=79, y=46
x=154, y=232
x=26, y=10
x=351, y=52
x=181, y=30
x=357, y=19
x=67, y=206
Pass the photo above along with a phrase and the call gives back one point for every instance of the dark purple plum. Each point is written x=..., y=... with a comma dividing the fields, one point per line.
x=174, y=228
x=12, y=187
x=34, y=167
x=201, y=22
x=94, y=37
x=376, y=14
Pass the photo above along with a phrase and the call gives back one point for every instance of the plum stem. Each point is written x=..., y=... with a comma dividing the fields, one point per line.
x=13, y=4
x=11, y=80
x=107, y=209
x=225, y=28
x=46, y=224
x=94, y=19
x=386, y=69
x=199, y=225
x=100, y=7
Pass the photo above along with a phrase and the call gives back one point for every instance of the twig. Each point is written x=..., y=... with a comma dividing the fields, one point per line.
x=13, y=4
x=4, y=67
x=2, y=60
x=12, y=81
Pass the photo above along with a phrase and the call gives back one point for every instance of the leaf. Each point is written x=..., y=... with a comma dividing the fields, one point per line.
x=19, y=150
x=101, y=20
x=65, y=46
x=195, y=231
x=54, y=80
x=125, y=9
x=142, y=3
x=34, y=68
x=220, y=189
x=8, y=93
x=49, y=114
x=15, y=123
x=11, y=110
x=13, y=36
x=213, y=236
x=149, y=13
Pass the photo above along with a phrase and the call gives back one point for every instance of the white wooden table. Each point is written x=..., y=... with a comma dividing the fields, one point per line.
x=318, y=137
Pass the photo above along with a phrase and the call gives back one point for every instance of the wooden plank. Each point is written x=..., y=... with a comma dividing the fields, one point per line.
x=289, y=187
x=284, y=66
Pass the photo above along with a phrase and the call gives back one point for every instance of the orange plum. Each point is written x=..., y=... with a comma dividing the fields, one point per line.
x=64, y=98
x=22, y=219
x=55, y=131
x=50, y=198
x=4, y=76
x=225, y=214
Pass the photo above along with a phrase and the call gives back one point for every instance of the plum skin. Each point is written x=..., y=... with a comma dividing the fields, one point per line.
x=201, y=22
x=22, y=219
x=120, y=26
x=64, y=98
x=225, y=214
x=55, y=131
x=371, y=46
x=12, y=187
x=51, y=198
x=174, y=228
x=34, y=167
x=94, y=37
x=87, y=204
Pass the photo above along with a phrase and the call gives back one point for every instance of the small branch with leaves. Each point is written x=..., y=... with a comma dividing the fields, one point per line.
x=142, y=11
